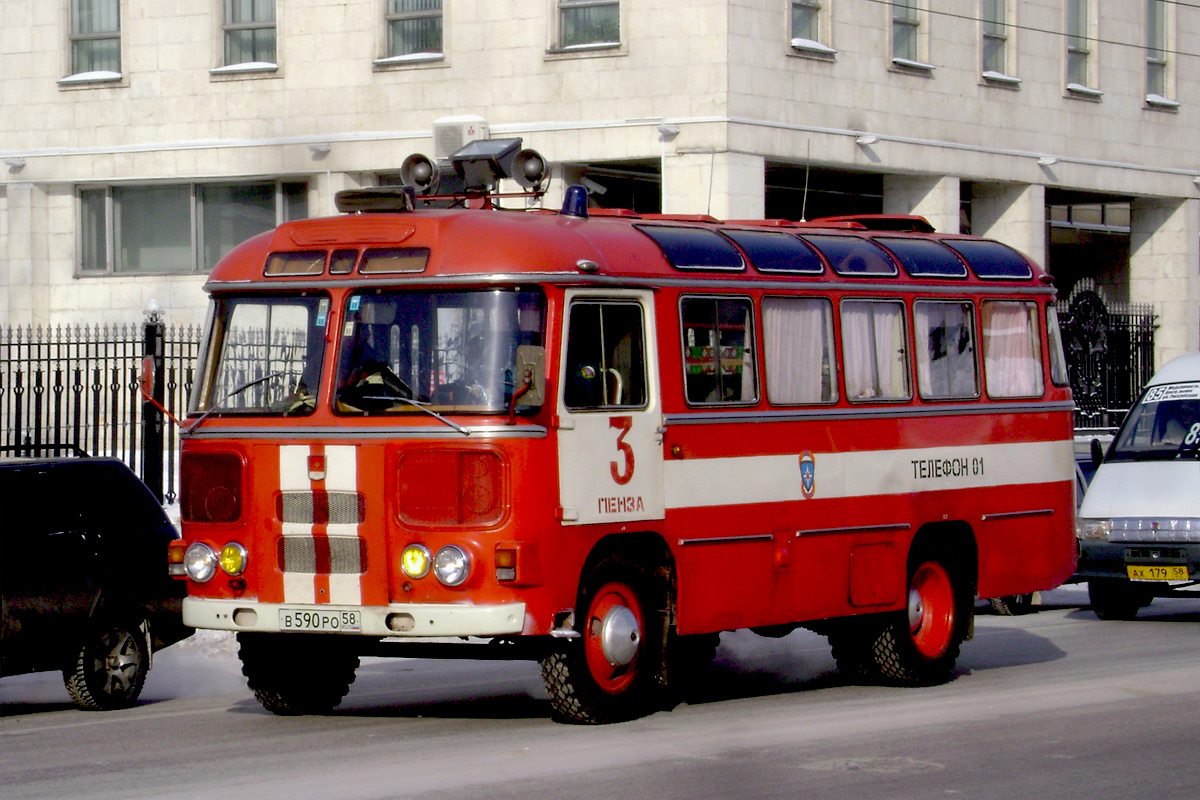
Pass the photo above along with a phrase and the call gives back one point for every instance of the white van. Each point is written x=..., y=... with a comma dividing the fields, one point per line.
x=1139, y=525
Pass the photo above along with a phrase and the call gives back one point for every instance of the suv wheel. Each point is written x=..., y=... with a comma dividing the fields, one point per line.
x=111, y=666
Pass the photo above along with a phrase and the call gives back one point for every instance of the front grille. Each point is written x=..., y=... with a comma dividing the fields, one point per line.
x=320, y=508
x=322, y=555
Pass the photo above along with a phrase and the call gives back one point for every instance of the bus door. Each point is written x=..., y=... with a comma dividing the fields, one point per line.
x=609, y=412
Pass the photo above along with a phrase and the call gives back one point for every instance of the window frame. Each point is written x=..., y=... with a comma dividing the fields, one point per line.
x=830, y=345
x=75, y=36
x=108, y=215
x=228, y=28
x=393, y=58
x=557, y=46
x=1079, y=57
x=602, y=302
x=990, y=373
x=997, y=28
x=816, y=42
x=905, y=351
x=1160, y=67
x=921, y=353
x=749, y=348
x=909, y=17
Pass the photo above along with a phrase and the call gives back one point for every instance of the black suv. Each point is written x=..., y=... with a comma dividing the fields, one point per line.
x=83, y=576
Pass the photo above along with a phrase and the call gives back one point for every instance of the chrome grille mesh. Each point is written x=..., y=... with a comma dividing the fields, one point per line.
x=323, y=508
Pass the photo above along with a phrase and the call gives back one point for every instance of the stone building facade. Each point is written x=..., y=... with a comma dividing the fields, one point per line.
x=140, y=139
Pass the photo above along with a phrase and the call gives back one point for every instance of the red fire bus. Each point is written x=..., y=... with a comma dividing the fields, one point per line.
x=599, y=439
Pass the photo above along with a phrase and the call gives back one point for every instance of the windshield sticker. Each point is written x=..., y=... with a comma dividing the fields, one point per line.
x=1172, y=391
x=322, y=313
x=354, y=301
x=349, y=329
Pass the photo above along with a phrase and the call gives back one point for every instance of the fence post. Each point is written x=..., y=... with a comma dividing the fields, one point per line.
x=152, y=418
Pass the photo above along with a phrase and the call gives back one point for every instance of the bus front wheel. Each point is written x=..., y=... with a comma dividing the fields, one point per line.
x=295, y=673
x=609, y=672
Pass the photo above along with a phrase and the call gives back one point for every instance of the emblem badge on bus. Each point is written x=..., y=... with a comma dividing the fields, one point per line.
x=808, y=473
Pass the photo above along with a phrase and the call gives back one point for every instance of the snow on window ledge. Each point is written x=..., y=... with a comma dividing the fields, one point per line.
x=249, y=66
x=1084, y=91
x=1000, y=77
x=410, y=58
x=99, y=76
x=1158, y=101
x=812, y=46
x=909, y=64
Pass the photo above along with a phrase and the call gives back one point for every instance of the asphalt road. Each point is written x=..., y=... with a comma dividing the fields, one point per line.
x=1052, y=705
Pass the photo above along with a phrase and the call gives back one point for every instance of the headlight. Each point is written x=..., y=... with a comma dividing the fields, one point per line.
x=415, y=561
x=233, y=558
x=200, y=562
x=1093, y=530
x=451, y=565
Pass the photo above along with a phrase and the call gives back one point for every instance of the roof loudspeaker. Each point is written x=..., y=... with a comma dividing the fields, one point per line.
x=420, y=173
x=529, y=169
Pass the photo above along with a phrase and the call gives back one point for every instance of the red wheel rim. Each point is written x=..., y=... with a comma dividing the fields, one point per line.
x=933, y=623
x=611, y=597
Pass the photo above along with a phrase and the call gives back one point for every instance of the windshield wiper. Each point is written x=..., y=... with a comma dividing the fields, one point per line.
x=420, y=406
x=217, y=405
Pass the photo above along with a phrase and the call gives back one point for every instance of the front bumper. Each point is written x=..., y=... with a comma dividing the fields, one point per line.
x=405, y=620
x=1099, y=560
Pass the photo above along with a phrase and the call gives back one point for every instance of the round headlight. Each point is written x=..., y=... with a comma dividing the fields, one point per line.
x=415, y=561
x=451, y=565
x=200, y=562
x=233, y=558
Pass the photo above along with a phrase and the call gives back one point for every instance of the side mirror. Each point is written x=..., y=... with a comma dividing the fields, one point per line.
x=1097, y=453
x=529, y=375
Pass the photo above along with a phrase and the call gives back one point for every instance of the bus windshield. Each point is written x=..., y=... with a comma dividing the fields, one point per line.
x=263, y=356
x=1165, y=425
x=442, y=351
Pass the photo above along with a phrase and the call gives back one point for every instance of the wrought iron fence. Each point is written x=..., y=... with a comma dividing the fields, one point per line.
x=77, y=386
x=1110, y=354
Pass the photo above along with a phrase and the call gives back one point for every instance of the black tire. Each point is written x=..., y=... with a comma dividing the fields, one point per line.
x=1117, y=599
x=1012, y=605
x=590, y=685
x=919, y=646
x=111, y=666
x=293, y=674
x=852, y=644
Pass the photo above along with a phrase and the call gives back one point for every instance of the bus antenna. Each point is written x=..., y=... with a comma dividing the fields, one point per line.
x=807, y=167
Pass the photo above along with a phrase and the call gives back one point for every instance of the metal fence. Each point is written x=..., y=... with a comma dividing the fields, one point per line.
x=77, y=386
x=1110, y=354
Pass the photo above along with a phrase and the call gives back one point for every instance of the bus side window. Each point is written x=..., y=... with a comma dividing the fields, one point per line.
x=873, y=349
x=1012, y=357
x=798, y=339
x=945, y=333
x=718, y=350
x=606, y=356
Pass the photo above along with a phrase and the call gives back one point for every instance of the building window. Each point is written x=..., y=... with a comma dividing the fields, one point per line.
x=249, y=32
x=178, y=228
x=1079, y=55
x=414, y=28
x=810, y=32
x=588, y=23
x=993, y=18
x=1158, y=79
x=95, y=36
x=907, y=34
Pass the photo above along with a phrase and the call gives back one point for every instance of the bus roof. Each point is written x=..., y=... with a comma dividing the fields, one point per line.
x=491, y=244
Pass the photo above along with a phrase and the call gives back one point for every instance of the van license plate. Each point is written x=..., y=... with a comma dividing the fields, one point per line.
x=1164, y=572
x=307, y=619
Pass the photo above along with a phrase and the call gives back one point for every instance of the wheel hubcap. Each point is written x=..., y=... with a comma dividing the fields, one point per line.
x=620, y=636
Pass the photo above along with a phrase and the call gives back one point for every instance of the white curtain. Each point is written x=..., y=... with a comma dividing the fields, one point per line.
x=797, y=344
x=873, y=349
x=1011, y=352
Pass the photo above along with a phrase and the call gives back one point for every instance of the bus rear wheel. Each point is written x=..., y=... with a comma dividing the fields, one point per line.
x=293, y=674
x=609, y=673
x=919, y=646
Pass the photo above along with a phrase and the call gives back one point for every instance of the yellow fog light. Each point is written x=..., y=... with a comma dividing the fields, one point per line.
x=415, y=561
x=233, y=558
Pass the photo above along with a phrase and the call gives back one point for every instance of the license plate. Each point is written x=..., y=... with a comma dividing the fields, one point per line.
x=329, y=621
x=1162, y=572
